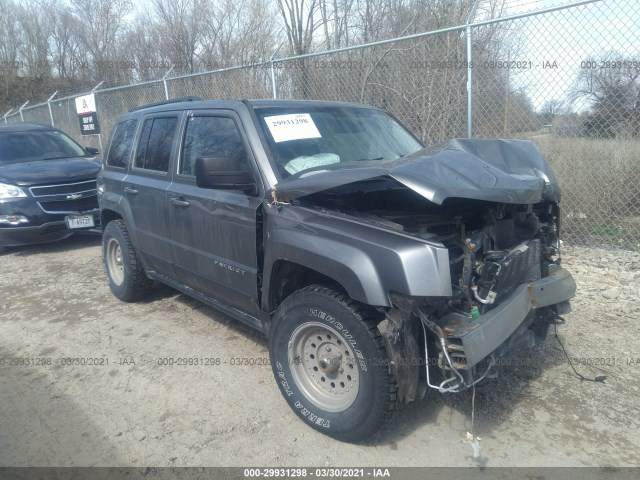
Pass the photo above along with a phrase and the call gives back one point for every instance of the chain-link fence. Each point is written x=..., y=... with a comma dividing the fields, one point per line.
x=566, y=77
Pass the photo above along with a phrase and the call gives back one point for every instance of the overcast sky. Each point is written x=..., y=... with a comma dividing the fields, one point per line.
x=568, y=37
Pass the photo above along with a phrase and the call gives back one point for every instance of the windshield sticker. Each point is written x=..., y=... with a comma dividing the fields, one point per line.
x=296, y=126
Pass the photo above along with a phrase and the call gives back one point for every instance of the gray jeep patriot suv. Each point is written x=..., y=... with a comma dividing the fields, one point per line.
x=377, y=268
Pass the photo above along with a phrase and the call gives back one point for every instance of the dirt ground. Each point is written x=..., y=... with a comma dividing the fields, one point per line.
x=55, y=306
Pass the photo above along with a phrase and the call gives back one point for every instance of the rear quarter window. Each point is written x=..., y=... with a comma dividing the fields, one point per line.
x=121, y=144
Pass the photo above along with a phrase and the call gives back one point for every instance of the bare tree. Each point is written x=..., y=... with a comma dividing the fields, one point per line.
x=10, y=38
x=550, y=109
x=239, y=33
x=181, y=24
x=337, y=22
x=299, y=22
x=142, y=46
x=98, y=23
x=64, y=43
x=37, y=26
x=612, y=93
x=84, y=38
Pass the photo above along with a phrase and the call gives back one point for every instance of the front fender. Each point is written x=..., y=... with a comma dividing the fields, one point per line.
x=368, y=261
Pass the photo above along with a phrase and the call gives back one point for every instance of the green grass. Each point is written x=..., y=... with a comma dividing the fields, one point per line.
x=600, y=182
x=607, y=230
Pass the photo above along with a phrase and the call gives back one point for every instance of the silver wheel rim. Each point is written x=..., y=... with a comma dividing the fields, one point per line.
x=114, y=261
x=323, y=366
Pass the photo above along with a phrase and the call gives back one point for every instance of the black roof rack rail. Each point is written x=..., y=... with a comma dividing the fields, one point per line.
x=166, y=102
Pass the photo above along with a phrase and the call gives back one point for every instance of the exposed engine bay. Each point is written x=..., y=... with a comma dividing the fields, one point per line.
x=496, y=252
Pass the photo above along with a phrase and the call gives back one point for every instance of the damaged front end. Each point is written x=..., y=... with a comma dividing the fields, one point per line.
x=508, y=287
x=507, y=284
x=494, y=206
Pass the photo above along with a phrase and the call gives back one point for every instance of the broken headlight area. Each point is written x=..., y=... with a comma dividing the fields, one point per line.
x=507, y=285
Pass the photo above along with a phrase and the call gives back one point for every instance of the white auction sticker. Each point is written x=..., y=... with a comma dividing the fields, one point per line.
x=296, y=126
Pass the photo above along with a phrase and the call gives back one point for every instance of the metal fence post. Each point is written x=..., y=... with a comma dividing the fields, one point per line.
x=5, y=116
x=164, y=81
x=99, y=135
x=20, y=110
x=274, y=86
x=472, y=15
x=273, y=81
x=49, y=105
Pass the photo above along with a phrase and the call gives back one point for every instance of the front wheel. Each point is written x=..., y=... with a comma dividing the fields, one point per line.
x=331, y=365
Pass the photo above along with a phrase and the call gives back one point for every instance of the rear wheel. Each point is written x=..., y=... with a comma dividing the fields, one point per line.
x=331, y=365
x=127, y=278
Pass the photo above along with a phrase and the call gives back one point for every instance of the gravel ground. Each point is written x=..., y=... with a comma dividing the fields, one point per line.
x=55, y=305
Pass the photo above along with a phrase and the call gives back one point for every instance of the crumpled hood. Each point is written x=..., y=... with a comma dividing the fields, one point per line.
x=49, y=171
x=506, y=171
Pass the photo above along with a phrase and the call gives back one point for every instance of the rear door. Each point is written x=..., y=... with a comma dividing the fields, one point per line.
x=145, y=190
x=117, y=162
x=214, y=231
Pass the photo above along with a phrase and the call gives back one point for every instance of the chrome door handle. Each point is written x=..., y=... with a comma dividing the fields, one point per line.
x=130, y=190
x=180, y=203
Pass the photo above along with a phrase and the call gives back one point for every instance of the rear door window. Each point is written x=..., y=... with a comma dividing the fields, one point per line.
x=156, y=143
x=121, y=144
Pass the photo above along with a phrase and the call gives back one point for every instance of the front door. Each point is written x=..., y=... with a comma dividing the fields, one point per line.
x=214, y=231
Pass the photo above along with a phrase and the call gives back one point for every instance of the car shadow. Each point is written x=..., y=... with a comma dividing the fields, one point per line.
x=495, y=398
x=77, y=241
x=42, y=424
x=163, y=292
x=224, y=319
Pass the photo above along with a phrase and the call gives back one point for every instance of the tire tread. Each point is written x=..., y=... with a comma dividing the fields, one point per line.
x=391, y=401
x=139, y=284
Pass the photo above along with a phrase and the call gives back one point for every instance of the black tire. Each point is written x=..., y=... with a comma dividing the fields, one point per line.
x=127, y=279
x=325, y=401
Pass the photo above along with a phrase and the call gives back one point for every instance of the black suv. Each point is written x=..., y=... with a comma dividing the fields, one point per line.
x=47, y=185
x=377, y=268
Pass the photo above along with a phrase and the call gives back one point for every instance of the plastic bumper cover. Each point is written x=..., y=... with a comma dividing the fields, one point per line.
x=479, y=338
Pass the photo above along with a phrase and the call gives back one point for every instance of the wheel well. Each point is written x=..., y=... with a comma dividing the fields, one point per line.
x=107, y=216
x=287, y=277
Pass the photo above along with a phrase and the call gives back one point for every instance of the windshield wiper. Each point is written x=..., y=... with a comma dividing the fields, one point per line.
x=369, y=159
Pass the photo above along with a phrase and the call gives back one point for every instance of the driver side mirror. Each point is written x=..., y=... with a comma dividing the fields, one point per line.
x=93, y=151
x=225, y=173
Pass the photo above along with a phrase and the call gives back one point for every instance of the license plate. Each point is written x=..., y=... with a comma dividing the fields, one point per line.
x=80, y=221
